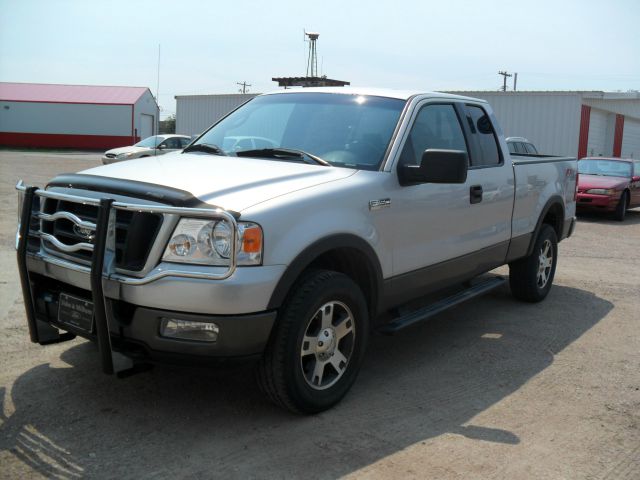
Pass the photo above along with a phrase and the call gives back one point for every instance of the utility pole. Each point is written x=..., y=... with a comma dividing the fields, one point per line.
x=504, y=75
x=244, y=86
x=515, y=81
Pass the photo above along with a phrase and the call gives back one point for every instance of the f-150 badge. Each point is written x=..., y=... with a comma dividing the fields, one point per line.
x=378, y=204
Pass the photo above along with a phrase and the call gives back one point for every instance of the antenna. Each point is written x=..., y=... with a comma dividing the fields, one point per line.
x=312, y=59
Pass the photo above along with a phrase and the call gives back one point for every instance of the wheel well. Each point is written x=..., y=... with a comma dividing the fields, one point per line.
x=354, y=264
x=555, y=218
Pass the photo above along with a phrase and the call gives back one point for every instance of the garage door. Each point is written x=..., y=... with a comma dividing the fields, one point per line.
x=597, y=144
x=631, y=138
x=146, y=125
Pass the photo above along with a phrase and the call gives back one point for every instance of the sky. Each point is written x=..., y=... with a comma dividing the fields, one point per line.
x=206, y=47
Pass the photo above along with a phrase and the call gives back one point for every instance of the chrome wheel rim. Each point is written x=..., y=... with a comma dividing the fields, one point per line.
x=327, y=345
x=545, y=262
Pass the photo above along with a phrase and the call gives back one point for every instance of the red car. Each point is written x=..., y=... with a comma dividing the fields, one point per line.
x=608, y=184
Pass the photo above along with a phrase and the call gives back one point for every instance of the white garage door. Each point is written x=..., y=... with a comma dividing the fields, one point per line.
x=597, y=144
x=146, y=125
x=631, y=139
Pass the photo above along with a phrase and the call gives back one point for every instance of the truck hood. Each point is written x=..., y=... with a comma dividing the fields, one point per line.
x=233, y=183
x=586, y=182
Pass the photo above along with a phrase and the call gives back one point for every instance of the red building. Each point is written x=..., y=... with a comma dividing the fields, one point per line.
x=75, y=116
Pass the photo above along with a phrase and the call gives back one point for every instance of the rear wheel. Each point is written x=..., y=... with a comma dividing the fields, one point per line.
x=531, y=277
x=318, y=344
x=621, y=208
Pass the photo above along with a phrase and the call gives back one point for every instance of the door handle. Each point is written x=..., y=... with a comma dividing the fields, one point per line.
x=475, y=194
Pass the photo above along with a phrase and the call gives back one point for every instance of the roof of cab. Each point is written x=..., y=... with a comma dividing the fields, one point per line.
x=375, y=92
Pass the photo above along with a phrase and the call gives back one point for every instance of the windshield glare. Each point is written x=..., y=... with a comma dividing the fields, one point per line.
x=150, y=142
x=607, y=168
x=345, y=130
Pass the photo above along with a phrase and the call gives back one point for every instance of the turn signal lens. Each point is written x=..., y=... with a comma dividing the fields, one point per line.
x=252, y=240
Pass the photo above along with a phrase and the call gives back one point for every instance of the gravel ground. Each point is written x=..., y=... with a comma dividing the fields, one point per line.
x=492, y=389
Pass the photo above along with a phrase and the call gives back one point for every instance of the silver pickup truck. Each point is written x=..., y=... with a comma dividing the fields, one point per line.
x=290, y=230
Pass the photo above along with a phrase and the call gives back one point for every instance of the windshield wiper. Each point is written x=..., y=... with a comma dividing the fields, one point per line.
x=284, y=153
x=204, y=147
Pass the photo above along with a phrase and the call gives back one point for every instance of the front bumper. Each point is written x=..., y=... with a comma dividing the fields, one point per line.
x=127, y=311
x=134, y=330
x=587, y=201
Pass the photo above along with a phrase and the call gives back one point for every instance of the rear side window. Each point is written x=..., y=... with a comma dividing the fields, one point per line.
x=437, y=127
x=512, y=147
x=636, y=167
x=485, y=137
x=530, y=148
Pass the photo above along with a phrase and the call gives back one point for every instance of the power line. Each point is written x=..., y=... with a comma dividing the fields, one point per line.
x=244, y=86
x=504, y=75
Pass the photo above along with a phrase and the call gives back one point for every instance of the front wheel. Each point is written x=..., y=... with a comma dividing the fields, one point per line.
x=621, y=208
x=530, y=278
x=317, y=345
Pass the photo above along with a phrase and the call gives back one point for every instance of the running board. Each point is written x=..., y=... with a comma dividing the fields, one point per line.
x=429, y=311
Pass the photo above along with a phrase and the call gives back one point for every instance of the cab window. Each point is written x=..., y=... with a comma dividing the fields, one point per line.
x=437, y=127
x=484, y=136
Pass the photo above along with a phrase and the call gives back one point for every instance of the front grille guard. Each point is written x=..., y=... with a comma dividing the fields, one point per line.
x=102, y=262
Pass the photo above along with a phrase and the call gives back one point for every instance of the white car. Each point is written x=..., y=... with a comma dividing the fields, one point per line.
x=150, y=146
x=521, y=146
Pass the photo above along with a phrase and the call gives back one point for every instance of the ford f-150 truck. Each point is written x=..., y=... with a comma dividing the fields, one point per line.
x=288, y=231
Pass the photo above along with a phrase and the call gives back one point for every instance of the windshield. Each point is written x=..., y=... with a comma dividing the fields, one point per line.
x=607, y=168
x=150, y=142
x=345, y=130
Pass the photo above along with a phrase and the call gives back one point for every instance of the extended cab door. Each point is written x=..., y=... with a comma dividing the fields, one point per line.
x=447, y=231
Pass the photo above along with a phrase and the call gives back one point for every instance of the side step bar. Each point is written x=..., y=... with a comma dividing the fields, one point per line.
x=440, y=306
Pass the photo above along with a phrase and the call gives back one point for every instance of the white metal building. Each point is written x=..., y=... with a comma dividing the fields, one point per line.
x=587, y=123
x=196, y=113
x=75, y=116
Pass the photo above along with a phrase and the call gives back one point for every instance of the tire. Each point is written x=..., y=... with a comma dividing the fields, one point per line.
x=621, y=208
x=317, y=345
x=531, y=277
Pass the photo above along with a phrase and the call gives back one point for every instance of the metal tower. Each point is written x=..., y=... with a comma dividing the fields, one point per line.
x=312, y=61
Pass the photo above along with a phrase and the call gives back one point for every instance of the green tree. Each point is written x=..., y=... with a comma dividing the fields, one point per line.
x=168, y=125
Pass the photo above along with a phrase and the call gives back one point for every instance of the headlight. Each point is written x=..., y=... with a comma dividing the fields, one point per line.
x=602, y=191
x=124, y=155
x=208, y=242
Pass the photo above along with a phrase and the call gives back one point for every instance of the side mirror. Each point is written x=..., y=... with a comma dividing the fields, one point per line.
x=437, y=166
x=161, y=147
x=635, y=178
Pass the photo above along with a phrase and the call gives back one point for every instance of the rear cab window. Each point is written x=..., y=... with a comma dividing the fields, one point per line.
x=483, y=137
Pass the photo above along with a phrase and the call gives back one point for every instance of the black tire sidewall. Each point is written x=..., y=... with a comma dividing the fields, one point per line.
x=336, y=287
x=621, y=208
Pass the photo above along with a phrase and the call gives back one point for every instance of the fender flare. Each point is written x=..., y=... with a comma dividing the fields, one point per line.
x=552, y=202
x=315, y=250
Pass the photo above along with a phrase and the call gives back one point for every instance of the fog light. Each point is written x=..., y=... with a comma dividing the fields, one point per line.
x=188, y=330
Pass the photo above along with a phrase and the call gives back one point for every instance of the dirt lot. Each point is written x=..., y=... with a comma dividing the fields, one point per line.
x=492, y=389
